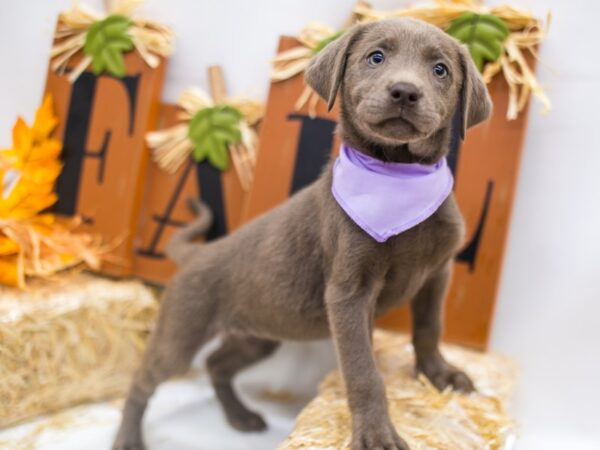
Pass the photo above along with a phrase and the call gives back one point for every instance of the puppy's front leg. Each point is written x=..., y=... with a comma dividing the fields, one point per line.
x=426, y=310
x=350, y=312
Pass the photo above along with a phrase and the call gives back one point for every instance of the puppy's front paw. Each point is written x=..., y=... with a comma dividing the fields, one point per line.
x=245, y=420
x=377, y=436
x=123, y=444
x=441, y=374
x=128, y=438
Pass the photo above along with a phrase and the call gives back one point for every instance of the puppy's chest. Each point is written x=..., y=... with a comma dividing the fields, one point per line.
x=418, y=252
x=430, y=242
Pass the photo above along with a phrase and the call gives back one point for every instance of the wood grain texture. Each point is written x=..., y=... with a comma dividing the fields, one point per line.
x=278, y=142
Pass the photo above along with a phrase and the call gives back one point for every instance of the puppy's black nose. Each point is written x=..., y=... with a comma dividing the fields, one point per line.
x=405, y=94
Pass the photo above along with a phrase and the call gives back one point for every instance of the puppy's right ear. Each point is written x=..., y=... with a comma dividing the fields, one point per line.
x=326, y=70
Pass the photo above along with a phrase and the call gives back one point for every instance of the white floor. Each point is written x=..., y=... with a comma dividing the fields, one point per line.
x=184, y=415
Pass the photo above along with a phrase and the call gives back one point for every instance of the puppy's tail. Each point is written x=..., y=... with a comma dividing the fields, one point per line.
x=181, y=246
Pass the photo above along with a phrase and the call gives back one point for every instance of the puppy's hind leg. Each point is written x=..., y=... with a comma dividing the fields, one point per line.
x=236, y=353
x=183, y=326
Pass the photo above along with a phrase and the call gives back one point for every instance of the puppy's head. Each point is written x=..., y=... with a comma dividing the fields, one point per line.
x=401, y=81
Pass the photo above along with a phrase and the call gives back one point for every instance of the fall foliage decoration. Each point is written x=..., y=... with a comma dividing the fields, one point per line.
x=211, y=131
x=104, y=38
x=497, y=38
x=33, y=242
x=483, y=34
x=105, y=43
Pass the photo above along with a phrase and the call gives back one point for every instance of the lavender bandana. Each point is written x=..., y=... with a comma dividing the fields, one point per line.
x=385, y=199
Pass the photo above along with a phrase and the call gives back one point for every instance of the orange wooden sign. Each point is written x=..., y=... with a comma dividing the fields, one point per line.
x=103, y=120
x=164, y=207
x=294, y=148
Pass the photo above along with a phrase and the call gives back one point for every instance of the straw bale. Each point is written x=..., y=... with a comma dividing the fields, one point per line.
x=68, y=342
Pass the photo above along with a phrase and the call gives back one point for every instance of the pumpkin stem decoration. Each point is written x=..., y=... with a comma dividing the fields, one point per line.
x=216, y=132
x=102, y=40
x=496, y=37
x=32, y=241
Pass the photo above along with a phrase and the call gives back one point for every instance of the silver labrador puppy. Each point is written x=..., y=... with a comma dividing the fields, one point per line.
x=306, y=270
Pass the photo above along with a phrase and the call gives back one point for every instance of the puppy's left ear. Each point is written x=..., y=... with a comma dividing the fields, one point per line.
x=326, y=70
x=476, y=105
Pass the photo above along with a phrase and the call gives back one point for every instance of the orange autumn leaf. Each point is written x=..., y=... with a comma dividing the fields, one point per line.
x=48, y=150
x=8, y=246
x=22, y=138
x=31, y=167
x=33, y=242
x=45, y=120
x=46, y=220
x=42, y=173
x=8, y=272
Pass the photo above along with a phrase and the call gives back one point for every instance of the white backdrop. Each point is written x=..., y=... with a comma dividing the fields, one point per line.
x=548, y=314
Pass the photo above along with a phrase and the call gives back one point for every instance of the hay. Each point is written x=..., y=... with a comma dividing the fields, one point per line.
x=70, y=342
x=424, y=417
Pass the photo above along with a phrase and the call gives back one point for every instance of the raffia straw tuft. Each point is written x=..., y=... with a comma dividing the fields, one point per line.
x=47, y=245
x=424, y=417
x=151, y=39
x=171, y=147
x=69, y=343
x=293, y=61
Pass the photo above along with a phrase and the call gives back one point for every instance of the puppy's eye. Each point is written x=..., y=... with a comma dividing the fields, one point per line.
x=376, y=58
x=440, y=70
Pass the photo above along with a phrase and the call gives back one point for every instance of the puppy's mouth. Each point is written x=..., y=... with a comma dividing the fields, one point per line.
x=399, y=126
x=393, y=125
x=400, y=122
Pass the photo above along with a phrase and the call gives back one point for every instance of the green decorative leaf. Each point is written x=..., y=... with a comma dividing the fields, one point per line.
x=211, y=130
x=482, y=33
x=328, y=40
x=105, y=43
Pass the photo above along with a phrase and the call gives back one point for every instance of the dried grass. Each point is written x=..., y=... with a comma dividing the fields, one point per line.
x=71, y=342
x=425, y=418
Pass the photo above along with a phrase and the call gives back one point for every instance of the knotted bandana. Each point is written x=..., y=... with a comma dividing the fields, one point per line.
x=385, y=199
